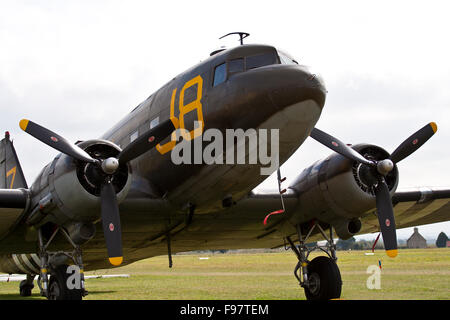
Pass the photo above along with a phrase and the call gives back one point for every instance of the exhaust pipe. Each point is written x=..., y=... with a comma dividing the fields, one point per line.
x=345, y=229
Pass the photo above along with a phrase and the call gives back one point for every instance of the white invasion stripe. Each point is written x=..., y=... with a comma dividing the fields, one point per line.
x=29, y=264
x=19, y=265
x=36, y=259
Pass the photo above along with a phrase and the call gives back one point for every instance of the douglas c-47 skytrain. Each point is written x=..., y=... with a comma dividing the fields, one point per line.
x=121, y=198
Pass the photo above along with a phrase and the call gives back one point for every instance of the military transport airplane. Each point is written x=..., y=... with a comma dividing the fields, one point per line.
x=150, y=206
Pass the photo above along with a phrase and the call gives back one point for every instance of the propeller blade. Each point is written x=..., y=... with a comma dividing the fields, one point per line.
x=386, y=218
x=414, y=142
x=338, y=146
x=148, y=140
x=55, y=141
x=111, y=223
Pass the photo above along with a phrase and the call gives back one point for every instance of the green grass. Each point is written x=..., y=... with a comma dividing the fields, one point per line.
x=414, y=274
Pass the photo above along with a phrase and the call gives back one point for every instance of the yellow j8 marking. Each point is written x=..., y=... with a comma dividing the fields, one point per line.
x=173, y=140
x=185, y=109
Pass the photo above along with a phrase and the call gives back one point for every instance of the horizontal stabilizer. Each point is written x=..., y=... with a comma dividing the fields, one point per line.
x=13, y=204
x=13, y=198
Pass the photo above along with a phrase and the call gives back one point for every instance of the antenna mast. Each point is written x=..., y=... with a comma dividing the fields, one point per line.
x=242, y=35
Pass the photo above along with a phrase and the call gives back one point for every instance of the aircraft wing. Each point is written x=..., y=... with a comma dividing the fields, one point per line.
x=414, y=208
x=411, y=208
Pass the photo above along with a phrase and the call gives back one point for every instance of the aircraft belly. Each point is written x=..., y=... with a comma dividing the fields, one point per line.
x=8, y=218
x=215, y=182
x=19, y=263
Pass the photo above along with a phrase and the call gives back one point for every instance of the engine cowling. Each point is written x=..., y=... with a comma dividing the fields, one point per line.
x=67, y=190
x=338, y=191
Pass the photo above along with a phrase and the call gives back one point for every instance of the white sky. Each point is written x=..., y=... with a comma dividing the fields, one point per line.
x=78, y=67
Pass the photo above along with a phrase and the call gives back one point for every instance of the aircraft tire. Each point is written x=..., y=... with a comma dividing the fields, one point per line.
x=324, y=278
x=25, y=288
x=58, y=289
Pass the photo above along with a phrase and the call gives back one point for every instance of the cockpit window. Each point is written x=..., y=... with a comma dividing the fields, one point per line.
x=225, y=70
x=220, y=74
x=286, y=59
x=260, y=60
x=235, y=66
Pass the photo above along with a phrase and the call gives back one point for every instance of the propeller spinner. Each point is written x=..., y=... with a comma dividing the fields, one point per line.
x=380, y=170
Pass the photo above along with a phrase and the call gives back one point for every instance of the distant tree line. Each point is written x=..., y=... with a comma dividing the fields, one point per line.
x=349, y=244
x=441, y=242
x=358, y=245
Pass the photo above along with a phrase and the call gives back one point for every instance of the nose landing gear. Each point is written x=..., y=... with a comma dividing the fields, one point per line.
x=320, y=278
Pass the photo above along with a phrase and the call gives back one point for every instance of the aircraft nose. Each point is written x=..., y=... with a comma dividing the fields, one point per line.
x=296, y=84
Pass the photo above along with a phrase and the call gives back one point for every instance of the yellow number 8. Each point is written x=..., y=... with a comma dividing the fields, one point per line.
x=196, y=104
x=184, y=109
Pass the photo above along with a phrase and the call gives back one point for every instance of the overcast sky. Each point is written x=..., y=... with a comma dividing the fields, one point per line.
x=78, y=67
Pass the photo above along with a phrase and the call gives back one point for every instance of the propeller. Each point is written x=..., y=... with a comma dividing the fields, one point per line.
x=108, y=198
x=380, y=169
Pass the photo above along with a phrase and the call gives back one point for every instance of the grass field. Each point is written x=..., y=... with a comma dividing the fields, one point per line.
x=414, y=274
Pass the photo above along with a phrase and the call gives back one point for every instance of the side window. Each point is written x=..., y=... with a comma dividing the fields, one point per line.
x=134, y=136
x=220, y=74
x=260, y=60
x=154, y=122
x=235, y=66
x=143, y=128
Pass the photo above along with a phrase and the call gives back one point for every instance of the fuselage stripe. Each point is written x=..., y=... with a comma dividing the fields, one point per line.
x=36, y=259
x=29, y=263
x=19, y=264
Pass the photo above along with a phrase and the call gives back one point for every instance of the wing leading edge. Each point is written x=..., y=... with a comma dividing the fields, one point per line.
x=411, y=208
x=414, y=208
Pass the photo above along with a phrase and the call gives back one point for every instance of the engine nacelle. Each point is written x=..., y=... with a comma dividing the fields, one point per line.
x=67, y=190
x=345, y=229
x=338, y=191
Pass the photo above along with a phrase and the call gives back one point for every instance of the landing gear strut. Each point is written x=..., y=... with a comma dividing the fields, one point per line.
x=64, y=283
x=320, y=277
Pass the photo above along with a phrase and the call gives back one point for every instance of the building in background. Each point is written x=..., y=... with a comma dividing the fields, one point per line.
x=416, y=240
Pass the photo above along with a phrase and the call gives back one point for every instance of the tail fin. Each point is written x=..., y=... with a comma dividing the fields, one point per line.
x=11, y=174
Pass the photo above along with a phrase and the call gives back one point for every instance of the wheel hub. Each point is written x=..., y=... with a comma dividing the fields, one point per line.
x=314, y=283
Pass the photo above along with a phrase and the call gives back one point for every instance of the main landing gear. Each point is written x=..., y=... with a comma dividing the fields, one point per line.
x=320, y=277
x=57, y=280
